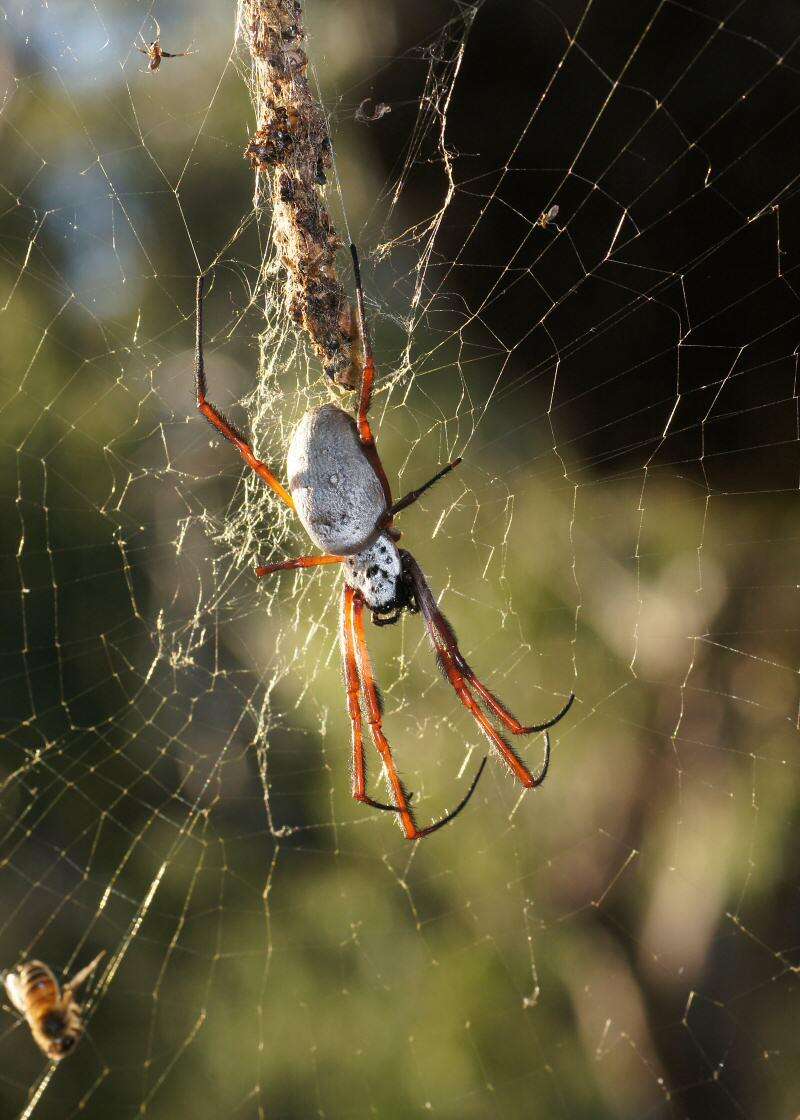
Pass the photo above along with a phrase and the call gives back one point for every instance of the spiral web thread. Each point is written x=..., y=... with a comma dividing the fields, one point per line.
x=621, y=380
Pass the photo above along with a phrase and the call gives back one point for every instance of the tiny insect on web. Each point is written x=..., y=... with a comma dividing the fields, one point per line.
x=340, y=492
x=547, y=217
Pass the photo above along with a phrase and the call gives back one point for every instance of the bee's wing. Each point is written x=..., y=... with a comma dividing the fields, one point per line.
x=14, y=990
x=79, y=977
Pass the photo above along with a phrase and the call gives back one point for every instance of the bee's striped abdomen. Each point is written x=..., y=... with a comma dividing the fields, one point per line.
x=38, y=987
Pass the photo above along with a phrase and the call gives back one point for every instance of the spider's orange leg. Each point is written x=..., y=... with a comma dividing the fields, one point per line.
x=368, y=372
x=507, y=718
x=459, y=673
x=449, y=646
x=376, y=726
x=298, y=562
x=367, y=379
x=353, y=686
x=215, y=417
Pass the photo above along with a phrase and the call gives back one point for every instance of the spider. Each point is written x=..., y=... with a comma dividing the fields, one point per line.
x=154, y=52
x=339, y=490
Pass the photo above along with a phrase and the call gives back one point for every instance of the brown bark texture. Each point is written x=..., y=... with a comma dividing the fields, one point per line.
x=290, y=153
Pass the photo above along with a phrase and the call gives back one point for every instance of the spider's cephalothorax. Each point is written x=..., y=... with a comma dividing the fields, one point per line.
x=341, y=495
x=379, y=576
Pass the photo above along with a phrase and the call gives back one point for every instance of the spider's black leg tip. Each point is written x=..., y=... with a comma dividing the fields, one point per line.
x=356, y=268
x=461, y=805
x=367, y=800
x=385, y=808
x=536, y=728
x=566, y=708
x=540, y=777
x=476, y=779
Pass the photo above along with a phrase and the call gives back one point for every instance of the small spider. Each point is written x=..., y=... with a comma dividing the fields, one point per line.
x=339, y=490
x=154, y=51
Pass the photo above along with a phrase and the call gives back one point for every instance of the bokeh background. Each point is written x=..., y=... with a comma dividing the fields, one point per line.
x=623, y=387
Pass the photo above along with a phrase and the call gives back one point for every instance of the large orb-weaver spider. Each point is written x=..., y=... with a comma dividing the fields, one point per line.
x=339, y=491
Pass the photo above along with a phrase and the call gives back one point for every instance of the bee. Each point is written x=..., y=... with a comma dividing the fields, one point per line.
x=547, y=217
x=52, y=1014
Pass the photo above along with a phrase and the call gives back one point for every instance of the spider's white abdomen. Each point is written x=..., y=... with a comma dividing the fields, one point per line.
x=375, y=572
x=337, y=494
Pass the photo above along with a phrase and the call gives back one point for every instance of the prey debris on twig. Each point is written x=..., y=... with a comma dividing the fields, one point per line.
x=364, y=115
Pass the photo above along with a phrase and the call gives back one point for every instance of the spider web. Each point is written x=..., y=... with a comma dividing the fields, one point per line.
x=622, y=384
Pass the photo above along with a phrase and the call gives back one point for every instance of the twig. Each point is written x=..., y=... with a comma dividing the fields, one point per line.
x=290, y=153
